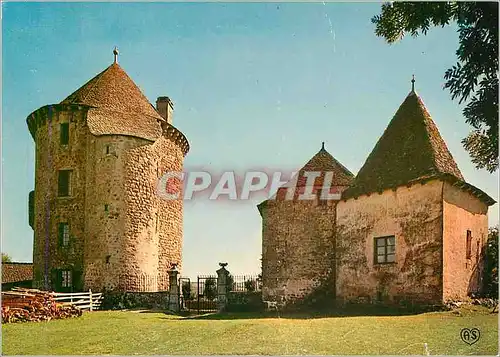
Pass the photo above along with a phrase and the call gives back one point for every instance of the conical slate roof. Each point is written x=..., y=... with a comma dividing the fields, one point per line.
x=410, y=148
x=118, y=105
x=322, y=162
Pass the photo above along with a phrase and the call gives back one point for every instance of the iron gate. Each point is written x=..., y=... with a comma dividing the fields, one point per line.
x=199, y=296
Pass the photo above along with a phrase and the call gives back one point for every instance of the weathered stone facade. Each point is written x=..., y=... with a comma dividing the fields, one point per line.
x=297, y=242
x=414, y=216
x=122, y=235
x=462, y=211
x=398, y=234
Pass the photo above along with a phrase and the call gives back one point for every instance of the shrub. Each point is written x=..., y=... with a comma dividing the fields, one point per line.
x=186, y=290
x=210, y=291
x=491, y=264
x=244, y=302
x=250, y=285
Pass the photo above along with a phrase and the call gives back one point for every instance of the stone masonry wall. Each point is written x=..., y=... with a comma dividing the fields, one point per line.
x=50, y=209
x=414, y=215
x=153, y=227
x=462, y=212
x=297, y=241
x=105, y=209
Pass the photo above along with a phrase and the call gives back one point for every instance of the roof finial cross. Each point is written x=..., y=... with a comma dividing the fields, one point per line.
x=413, y=83
x=322, y=145
x=115, y=53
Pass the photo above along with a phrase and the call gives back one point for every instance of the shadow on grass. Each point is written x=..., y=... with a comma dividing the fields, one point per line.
x=341, y=312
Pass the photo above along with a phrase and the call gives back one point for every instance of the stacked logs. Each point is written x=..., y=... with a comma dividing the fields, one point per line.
x=34, y=305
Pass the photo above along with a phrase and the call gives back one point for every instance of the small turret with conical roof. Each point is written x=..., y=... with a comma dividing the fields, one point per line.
x=322, y=162
x=410, y=148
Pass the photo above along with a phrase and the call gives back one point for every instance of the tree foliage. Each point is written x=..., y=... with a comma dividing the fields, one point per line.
x=491, y=264
x=6, y=258
x=474, y=78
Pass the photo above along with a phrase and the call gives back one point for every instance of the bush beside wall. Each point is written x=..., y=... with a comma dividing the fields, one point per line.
x=244, y=302
x=117, y=300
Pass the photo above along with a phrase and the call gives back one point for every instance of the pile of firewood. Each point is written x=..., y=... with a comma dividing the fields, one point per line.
x=34, y=305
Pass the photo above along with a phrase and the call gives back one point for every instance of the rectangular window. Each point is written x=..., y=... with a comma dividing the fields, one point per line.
x=64, y=181
x=63, y=234
x=66, y=279
x=385, y=250
x=108, y=149
x=64, y=133
x=468, y=251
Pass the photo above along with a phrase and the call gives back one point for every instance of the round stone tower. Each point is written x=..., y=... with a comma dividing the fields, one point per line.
x=98, y=221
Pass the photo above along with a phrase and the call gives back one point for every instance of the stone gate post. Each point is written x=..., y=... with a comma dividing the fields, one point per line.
x=173, y=296
x=222, y=281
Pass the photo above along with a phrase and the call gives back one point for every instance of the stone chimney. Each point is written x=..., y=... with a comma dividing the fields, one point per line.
x=165, y=107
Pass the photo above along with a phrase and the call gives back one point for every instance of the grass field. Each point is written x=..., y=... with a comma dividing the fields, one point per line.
x=147, y=333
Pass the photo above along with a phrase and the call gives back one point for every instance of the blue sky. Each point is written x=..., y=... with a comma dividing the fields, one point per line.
x=255, y=85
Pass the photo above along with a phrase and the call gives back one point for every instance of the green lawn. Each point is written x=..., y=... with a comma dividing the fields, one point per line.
x=131, y=333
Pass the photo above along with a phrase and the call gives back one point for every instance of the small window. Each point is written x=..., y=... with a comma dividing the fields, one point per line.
x=106, y=208
x=64, y=181
x=63, y=234
x=385, y=250
x=108, y=149
x=66, y=278
x=64, y=133
x=468, y=251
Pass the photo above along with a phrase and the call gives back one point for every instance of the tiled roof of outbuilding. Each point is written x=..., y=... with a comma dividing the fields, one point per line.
x=410, y=147
x=14, y=272
x=322, y=162
x=117, y=105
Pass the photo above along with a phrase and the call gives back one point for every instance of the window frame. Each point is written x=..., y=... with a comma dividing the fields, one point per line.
x=60, y=192
x=385, y=246
x=68, y=282
x=64, y=233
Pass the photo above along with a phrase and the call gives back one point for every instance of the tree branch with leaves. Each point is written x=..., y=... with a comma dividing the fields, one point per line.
x=474, y=78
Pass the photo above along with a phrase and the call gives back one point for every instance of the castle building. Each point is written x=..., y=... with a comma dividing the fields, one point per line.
x=97, y=219
x=407, y=227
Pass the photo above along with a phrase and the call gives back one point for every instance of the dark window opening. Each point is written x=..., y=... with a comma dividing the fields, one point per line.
x=385, y=250
x=468, y=252
x=63, y=234
x=108, y=149
x=107, y=258
x=64, y=183
x=64, y=133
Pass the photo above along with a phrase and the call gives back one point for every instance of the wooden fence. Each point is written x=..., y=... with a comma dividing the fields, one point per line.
x=85, y=300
